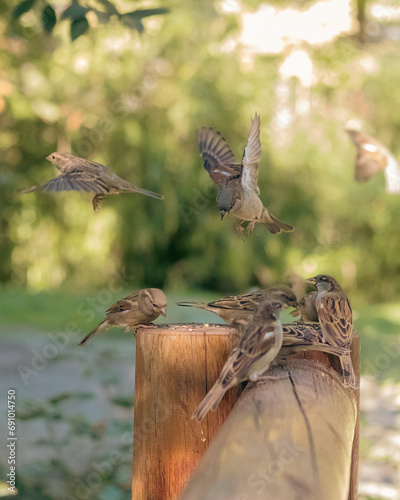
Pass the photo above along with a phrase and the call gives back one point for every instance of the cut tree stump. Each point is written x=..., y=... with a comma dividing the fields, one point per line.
x=175, y=367
x=293, y=436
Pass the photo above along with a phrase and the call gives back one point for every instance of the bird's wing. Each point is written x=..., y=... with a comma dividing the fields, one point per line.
x=218, y=159
x=76, y=178
x=299, y=332
x=251, y=156
x=126, y=304
x=298, y=337
x=247, y=302
x=258, y=340
x=371, y=157
x=336, y=318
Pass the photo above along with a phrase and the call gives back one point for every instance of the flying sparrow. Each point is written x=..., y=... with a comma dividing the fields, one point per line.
x=139, y=308
x=373, y=156
x=238, y=310
x=77, y=174
x=307, y=309
x=238, y=182
x=254, y=354
x=336, y=320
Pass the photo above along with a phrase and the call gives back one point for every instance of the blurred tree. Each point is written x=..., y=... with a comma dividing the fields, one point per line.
x=133, y=101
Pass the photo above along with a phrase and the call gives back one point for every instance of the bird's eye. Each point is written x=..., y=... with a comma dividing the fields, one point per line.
x=154, y=305
x=53, y=157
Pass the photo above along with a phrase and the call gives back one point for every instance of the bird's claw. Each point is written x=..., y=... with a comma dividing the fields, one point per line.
x=240, y=229
x=97, y=200
x=250, y=227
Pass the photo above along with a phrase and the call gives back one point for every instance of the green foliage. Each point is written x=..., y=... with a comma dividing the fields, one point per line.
x=77, y=14
x=49, y=18
x=133, y=103
x=21, y=8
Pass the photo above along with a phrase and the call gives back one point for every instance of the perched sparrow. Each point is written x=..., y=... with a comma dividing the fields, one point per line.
x=256, y=350
x=372, y=156
x=238, y=183
x=238, y=310
x=139, y=308
x=336, y=320
x=307, y=309
x=299, y=337
x=78, y=174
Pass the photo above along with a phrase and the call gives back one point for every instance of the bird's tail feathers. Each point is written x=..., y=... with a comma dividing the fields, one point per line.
x=348, y=375
x=290, y=349
x=200, y=305
x=146, y=192
x=273, y=224
x=210, y=402
x=101, y=326
x=28, y=190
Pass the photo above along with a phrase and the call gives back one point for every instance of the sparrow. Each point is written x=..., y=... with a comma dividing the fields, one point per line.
x=307, y=309
x=372, y=156
x=238, y=191
x=238, y=310
x=254, y=354
x=299, y=337
x=138, y=308
x=336, y=320
x=77, y=174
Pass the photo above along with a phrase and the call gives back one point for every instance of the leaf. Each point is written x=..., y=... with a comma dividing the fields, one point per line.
x=49, y=18
x=30, y=410
x=132, y=22
x=78, y=27
x=22, y=8
x=65, y=396
x=125, y=402
x=102, y=17
x=142, y=13
x=133, y=19
x=75, y=11
x=110, y=8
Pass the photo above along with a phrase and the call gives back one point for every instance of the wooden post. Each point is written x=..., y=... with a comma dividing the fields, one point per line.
x=175, y=367
x=293, y=436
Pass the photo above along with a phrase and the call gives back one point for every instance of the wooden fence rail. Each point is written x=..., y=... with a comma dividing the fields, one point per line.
x=291, y=436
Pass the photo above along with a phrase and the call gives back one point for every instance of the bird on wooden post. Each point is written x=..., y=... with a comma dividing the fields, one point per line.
x=301, y=337
x=239, y=310
x=77, y=174
x=238, y=191
x=307, y=310
x=336, y=320
x=254, y=354
x=139, y=308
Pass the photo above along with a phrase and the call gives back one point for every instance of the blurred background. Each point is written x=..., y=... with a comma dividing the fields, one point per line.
x=127, y=84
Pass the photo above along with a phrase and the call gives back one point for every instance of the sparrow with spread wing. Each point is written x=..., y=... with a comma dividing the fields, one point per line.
x=307, y=309
x=238, y=310
x=77, y=174
x=139, y=308
x=238, y=192
x=254, y=354
x=372, y=156
x=336, y=320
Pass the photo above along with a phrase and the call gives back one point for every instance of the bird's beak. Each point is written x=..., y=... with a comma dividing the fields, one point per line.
x=48, y=158
x=163, y=311
x=311, y=281
x=223, y=214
